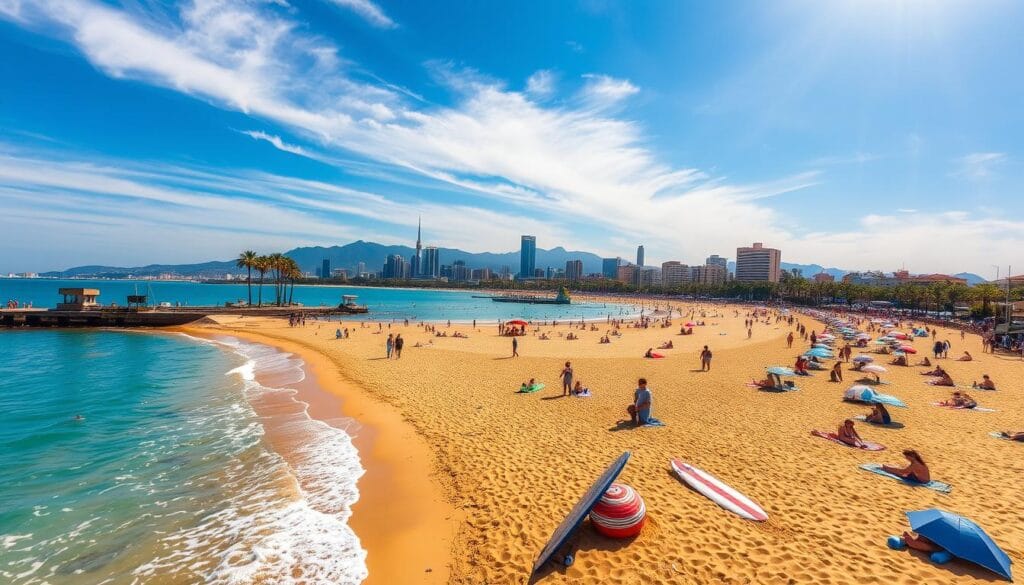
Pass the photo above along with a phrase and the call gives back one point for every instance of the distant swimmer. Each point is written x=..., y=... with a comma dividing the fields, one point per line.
x=78, y=418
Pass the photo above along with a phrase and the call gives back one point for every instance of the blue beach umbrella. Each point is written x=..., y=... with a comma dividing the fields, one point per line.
x=781, y=371
x=819, y=352
x=962, y=538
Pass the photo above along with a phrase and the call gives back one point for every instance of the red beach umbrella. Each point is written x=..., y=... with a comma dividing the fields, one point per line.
x=907, y=349
x=516, y=322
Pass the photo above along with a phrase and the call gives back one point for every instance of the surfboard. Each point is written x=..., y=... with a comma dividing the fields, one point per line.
x=580, y=511
x=718, y=492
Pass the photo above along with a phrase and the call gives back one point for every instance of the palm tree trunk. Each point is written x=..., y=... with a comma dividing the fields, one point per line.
x=248, y=282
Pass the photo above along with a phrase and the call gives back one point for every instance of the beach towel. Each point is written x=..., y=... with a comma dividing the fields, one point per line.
x=1003, y=436
x=653, y=422
x=584, y=394
x=868, y=445
x=530, y=389
x=942, y=488
x=975, y=409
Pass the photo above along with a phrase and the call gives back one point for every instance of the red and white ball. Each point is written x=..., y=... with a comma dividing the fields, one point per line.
x=620, y=513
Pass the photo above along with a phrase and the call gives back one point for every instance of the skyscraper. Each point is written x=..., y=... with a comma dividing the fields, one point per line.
x=430, y=263
x=416, y=263
x=395, y=267
x=325, y=268
x=573, y=269
x=758, y=264
x=361, y=269
x=716, y=260
x=527, y=256
x=640, y=255
x=610, y=267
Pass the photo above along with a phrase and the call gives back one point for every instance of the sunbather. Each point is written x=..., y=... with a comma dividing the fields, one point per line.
x=879, y=415
x=920, y=543
x=916, y=472
x=1014, y=435
x=985, y=384
x=836, y=375
x=944, y=380
x=966, y=357
x=960, y=400
x=901, y=360
x=847, y=434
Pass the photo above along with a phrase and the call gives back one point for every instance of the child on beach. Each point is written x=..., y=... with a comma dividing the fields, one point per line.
x=705, y=360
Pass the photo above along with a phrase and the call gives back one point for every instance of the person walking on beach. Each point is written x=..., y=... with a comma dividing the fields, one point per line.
x=390, y=345
x=399, y=342
x=789, y=339
x=705, y=360
x=515, y=347
x=567, y=379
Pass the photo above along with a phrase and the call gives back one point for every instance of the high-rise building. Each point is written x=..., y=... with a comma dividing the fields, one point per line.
x=640, y=255
x=574, y=269
x=416, y=266
x=325, y=268
x=646, y=276
x=527, y=256
x=538, y=273
x=625, y=273
x=459, y=271
x=430, y=263
x=674, y=273
x=716, y=260
x=610, y=267
x=361, y=269
x=482, y=274
x=709, y=274
x=758, y=264
x=395, y=267
x=549, y=273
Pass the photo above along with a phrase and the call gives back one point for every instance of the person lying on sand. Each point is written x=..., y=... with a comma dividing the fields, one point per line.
x=965, y=358
x=920, y=543
x=879, y=415
x=836, y=375
x=925, y=362
x=985, y=384
x=772, y=382
x=847, y=434
x=938, y=371
x=666, y=345
x=899, y=361
x=1014, y=435
x=649, y=353
x=960, y=400
x=944, y=380
x=917, y=471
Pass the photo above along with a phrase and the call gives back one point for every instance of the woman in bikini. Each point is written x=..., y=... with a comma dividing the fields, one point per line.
x=916, y=472
x=847, y=434
x=837, y=373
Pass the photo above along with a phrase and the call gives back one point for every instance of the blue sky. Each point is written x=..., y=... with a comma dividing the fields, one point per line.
x=867, y=134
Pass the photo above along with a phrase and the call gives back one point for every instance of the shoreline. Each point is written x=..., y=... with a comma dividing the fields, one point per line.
x=398, y=515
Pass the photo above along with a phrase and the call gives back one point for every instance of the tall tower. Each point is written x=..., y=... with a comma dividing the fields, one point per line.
x=416, y=267
x=527, y=256
x=640, y=255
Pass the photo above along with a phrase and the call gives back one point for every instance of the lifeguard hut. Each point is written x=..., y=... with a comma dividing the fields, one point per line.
x=78, y=299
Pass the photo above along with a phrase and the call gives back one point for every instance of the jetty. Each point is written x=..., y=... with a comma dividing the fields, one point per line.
x=561, y=299
x=80, y=307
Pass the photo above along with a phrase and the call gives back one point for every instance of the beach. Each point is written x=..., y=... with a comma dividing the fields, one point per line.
x=466, y=479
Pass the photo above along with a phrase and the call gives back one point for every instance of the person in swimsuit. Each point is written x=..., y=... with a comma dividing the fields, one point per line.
x=916, y=472
x=944, y=380
x=966, y=357
x=985, y=384
x=961, y=400
x=1014, y=435
x=879, y=415
x=925, y=362
x=847, y=434
x=567, y=379
x=920, y=543
x=837, y=373
x=899, y=361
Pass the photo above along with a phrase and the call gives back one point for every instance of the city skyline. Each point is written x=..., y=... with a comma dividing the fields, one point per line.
x=197, y=128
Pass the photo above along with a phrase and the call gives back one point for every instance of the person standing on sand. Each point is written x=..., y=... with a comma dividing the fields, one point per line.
x=390, y=345
x=567, y=379
x=515, y=347
x=789, y=339
x=705, y=360
x=399, y=342
x=749, y=332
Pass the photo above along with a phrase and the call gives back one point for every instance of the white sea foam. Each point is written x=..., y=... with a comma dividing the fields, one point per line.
x=268, y=537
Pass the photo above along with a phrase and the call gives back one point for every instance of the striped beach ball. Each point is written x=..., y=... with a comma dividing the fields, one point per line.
x=620, y=513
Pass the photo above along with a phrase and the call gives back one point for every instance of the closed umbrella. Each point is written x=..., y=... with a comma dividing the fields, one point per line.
x=962, y=538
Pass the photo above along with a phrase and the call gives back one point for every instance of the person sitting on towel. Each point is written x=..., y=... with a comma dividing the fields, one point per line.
x=966, y=357
x=640, y=410
x=899, y=361
x=879, y=415
x=836, y=375
x=772, y=381
x=801, y=366
x=961, y=400
x=579, y=390
x=944, y=380
x=916, y=472
x=985, y=384
x=527, y=386
x=847, y=434
x=938, y=371
x=649, y=353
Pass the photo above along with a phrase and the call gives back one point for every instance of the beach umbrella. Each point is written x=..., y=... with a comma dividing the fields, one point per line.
x=863, y=358
x=874, y=369
x=820, y=345
x=516, y=322
x=820, y=352
x=690, y=324
x=897, y=334
x=907, y=349
x=962, y=538
x=866, y=394
x=781, y=371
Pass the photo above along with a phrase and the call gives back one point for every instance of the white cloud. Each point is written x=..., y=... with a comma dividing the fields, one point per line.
x=541, y=84
x=277, y=142
x=604, y=90
x=368, y=10
x=978, y=165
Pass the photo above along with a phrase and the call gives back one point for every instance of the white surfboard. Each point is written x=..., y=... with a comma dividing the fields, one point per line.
x=718, y=492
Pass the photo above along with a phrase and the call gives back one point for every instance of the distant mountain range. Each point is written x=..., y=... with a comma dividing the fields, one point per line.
x=374, y=255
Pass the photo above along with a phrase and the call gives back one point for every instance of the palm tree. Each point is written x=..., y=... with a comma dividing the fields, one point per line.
x=986, y=292
x=262, y=265
x=246, y=260
x=277, y=266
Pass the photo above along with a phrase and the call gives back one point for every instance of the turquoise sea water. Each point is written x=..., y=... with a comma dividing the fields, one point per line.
x=384, y=303
x=170, y=476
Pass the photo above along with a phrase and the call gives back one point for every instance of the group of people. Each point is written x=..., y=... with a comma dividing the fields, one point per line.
x=394, y=345
x=16, y=304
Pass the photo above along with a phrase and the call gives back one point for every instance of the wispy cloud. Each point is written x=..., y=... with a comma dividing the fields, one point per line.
x=855, y=158
x=276, y=141
x=368, y=10
x=541, y=84
x=604, y=90
x=978, y=165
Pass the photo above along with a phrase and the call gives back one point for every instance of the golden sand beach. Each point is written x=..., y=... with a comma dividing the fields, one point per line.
x=466, y=479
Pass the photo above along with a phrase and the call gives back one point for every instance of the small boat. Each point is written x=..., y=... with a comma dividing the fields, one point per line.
x=348, y=305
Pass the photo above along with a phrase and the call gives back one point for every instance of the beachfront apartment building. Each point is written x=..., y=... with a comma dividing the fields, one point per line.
x=709, y=274
x=758, y=264
x=573, y=269
x=674, y=273
x=610, y=267
x=528, y=257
